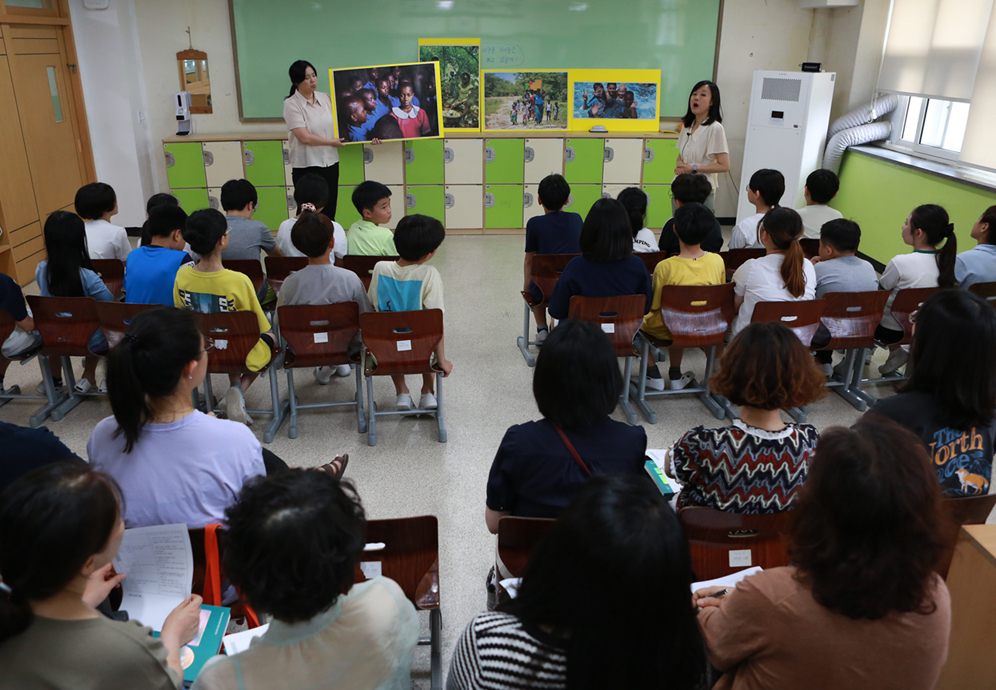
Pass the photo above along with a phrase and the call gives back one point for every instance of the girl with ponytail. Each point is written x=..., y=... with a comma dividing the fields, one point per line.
x=634, y=200
x=926, y=228
x=781, y=275
x=60, y=528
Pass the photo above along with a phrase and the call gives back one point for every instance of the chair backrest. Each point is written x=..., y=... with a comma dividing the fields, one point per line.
x=851, y=318
x=318, y=335
x=986, y=291
x=651, y=259
x=908, y=301
x=620, y=317
x=697, y=315
x=65, y=324
x=114, y=318
x=233, y=335
x=111, y=272
x=250, y=267
x=735, y=258
x=810, y=247
x=546, y=270
x=401, y=342
x=408, y=552
x=715, y=538
x=518, y=537
x=971, y=510
x=279, y=267
x=803, y=316
x=363, y=266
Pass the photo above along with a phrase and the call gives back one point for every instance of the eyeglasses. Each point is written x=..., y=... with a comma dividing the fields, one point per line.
x=208, y=347
x=913, y=315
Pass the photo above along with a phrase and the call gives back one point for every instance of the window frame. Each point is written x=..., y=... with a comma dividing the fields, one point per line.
x=898, y=118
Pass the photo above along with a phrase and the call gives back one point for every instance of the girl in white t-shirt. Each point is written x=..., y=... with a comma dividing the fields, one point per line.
x=702, y=144
x=927, y=266
x=634, y=200
x=782, y=275
x=312, y=190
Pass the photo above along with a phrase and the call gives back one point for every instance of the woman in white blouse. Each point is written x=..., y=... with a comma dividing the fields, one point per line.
x=312, y=141
x=702, y=142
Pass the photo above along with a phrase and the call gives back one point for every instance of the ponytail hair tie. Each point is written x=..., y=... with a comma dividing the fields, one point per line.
x=131, y=338
x=308, y=207
x=950, y=229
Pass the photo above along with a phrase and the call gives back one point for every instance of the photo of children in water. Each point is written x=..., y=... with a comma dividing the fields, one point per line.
x=385, y=103
x=525, y=100
x=615, y=100
x=460, y=90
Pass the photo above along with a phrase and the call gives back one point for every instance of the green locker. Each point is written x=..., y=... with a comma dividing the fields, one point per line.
x=345, y=213
x=504, y=161
x=185, y=166
x=658, y=204
x=583, y=161
x=191, y=199
x=350, y=166
x=428, y=200
x=265, y=163
x=582, y=197
x=503, y=205
x=659, y=158
x=424, y=162
x=272, y=209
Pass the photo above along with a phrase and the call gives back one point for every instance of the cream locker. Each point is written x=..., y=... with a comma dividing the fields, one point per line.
x=611, y=191
x=291, y=204
x=623, y=161
x=464, y=207
x=288, y=170
x=463, y=161
x=385, y=163
x=530, y=203
x=222, y=162
x=397, y=201
x=543, y=157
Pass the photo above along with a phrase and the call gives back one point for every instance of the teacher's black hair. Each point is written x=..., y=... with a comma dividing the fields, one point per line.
x=715, y=109
x=297, y=73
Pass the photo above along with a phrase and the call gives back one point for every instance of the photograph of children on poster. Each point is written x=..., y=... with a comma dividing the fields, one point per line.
x=516, y=101
x=386, y=102
x=620, y=100
x=459, y=78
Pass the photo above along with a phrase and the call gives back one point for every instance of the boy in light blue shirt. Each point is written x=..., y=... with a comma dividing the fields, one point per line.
x=151, y=270
x=978, y=264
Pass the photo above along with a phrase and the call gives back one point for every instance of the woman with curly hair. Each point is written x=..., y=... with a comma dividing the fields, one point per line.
x=861, y=607
x=758, y=463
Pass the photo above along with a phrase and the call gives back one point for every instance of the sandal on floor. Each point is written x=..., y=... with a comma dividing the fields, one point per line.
x=337, y=467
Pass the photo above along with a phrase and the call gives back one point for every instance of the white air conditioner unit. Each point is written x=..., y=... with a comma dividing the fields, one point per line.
x=786, y=130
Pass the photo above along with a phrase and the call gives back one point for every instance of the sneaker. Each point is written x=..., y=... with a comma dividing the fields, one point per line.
x=343, y=370
x=83, y=386
x=404, y=402
x=652, y=384
x=541, y=334
x=323, y=375
x=679, y=384
x=827, y=370
x=897, y=358
x=235, y=404
x=103, y=386
x=427, y=402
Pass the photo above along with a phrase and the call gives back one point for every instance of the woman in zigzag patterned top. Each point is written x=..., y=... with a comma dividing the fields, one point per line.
x=758, y=463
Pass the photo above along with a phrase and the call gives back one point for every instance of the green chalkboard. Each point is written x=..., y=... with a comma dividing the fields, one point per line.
x=676, y=36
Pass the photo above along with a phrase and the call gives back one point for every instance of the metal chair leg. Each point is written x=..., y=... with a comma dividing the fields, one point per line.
x=371, y=414
x=73, y=399
x=439, y=408
x=54, y=400
x=523, y=341
x=844, y=390
x=799, y=414
x=627, y=409
x=641, y=388
x=292, y=402
x=280, y=409
x=435, y=649
x=361, y=420
x=707, y=397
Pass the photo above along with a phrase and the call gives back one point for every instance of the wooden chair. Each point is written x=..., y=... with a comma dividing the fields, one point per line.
x=114, y=318
x=363, y=266
x=209, y=576
x=518, y=537
x=111, y=272
x=735, y=258
x=851, y=318
x=697, y=316
x=250, y=267
x=810, y=247
x=406, y=550
x=651, y=259
x=317, y=336
x=66, y=325
x=620, y=318
x=401, y=342
x=717, y=538
x=233, y=334
x=546, y=270
x=973, y=510
x=7, y=326
x=279, y=267
x=986, y=291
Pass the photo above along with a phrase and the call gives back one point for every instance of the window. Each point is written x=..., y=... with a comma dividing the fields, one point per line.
x=930, y=126
x=53, y=88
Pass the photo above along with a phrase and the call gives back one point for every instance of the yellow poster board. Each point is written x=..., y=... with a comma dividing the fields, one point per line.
x=460, y=79
x=523, y=101
x=621, y=100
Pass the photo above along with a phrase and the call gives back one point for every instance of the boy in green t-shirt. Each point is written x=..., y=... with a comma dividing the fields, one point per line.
x=366, y=237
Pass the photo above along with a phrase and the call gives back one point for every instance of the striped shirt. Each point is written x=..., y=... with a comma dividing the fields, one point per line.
x=496, y=652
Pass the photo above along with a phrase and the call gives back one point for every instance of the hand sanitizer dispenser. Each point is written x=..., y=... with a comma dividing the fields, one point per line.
x=181, y=100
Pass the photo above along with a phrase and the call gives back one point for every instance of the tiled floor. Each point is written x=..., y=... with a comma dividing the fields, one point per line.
x=409, y=472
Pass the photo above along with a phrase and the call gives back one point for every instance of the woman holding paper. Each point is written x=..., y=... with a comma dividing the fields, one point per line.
x=60, y=528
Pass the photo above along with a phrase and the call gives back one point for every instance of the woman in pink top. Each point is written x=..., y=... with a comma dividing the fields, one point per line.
x=862, y=607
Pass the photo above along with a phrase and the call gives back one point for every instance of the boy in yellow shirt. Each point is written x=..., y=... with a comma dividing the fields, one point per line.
x=692, y=266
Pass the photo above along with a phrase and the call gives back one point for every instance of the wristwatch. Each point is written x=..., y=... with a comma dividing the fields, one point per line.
x=695, y=168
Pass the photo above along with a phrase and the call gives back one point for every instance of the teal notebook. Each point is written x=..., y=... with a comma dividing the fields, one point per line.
x=207, y=642
x=666, y=485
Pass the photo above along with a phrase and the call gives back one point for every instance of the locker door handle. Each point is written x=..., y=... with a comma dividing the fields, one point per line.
x=648, y=155
x=570, y=201
x=250, y=157
x=527, y=200
x=214, y=203
x=409, y=155
x=608, y=154
x=291, y=204
x=410, y=201
x=529, y=154
x=368, y=156
x=489, y=154
x=208, y=158
x=286, y=155
x=489, y=200
x=448, y=154
x=450, y=200
x=569, y=154
x=606, y=195
x=170, y=159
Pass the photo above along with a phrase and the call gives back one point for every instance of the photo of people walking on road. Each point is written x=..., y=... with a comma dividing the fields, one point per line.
x=525, y=100
x=387, y=102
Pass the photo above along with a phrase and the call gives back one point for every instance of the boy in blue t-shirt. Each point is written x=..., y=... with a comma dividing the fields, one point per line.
x=151, y=270
x=555, y=232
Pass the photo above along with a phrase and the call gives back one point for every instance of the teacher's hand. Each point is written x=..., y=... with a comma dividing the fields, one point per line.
x=341, y=141
x=375, y=141
x=682, y=168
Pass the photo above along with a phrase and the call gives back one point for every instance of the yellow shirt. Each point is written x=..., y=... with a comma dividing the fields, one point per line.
x=222, y=291
x=706, y=270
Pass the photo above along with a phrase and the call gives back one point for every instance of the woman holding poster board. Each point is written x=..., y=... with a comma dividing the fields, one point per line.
x=702, y=144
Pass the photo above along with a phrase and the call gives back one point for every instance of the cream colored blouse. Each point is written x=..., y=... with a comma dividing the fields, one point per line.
x=318, y=119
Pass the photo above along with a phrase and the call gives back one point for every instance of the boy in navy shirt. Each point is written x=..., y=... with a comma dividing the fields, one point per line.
x=555, y=232
x=151, y=270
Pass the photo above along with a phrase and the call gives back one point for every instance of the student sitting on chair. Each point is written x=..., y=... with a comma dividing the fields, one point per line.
x=634, y=200
x=24, y=337
x=764, y=191
x=366, y=236
x=312, y=190
x=160, y=199
x=978, y=264
x=320, y=282
x=408, y=284
x=758, y=463
x=606, y=267
x=555, y=232
x=861, y=606
x=96, y=203
x=821, y=188
x=292, y=544
x=246, y=237
x=210, y=288
x=690, y=188
x=151, y=270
